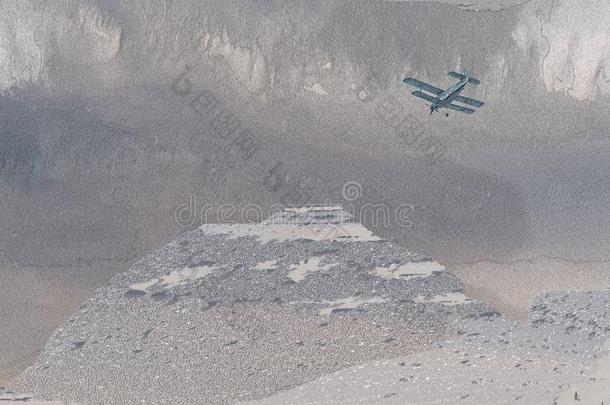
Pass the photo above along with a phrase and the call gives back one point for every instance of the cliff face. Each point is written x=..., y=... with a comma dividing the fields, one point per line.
x=91, y=109
x=270, y=47
x=571, y=44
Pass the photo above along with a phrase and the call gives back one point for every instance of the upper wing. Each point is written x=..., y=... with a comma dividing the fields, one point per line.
x=425, y=96
x=460, y=109
x=469, y=101
x=423, y=86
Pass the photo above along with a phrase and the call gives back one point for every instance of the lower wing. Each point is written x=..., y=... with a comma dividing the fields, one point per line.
x=460, y=109
x=469, y=101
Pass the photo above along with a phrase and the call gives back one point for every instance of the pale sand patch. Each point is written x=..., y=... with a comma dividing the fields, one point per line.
x=28, y=402
x=302, y=210
x=416, y=269
x=267, y=265
x=450, y=299
x=303, y=268
x=512, y=287
x=308, y=223
x=348, y=232
x=176, y=277
x=8, y=396
x=144, y=286
x=4, y=380
x=349, y=303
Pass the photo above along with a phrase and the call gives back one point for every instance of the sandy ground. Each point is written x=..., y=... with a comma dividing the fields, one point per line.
x=560, y=359
x=39, y=300
x=594, y=391
x=511, y=287
x=442, y=376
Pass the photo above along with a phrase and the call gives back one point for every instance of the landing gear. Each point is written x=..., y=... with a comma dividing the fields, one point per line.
x=446, y=114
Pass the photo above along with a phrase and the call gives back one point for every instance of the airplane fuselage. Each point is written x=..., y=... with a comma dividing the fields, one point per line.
x=438, y=98
x=448, y=95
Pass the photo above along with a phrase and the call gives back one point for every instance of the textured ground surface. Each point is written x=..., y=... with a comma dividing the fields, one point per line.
x=513, y=287
x=240, y=312
x=311, y=308
x=561, y=356
x=104, y=137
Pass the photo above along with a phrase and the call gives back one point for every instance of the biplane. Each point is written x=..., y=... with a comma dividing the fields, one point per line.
x=439, y=98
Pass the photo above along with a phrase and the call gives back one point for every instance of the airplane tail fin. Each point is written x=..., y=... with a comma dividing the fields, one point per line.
x=472, y=80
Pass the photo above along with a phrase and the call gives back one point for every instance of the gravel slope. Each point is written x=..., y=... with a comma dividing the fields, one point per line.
x=241, y=312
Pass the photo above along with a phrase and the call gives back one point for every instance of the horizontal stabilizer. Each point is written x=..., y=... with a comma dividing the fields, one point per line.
x=469, y=101
x=425, y=96
x=460, y=109
x=460, y=76
x=456, y=75
x=423, y=86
